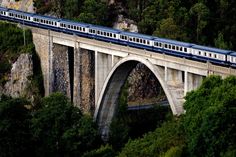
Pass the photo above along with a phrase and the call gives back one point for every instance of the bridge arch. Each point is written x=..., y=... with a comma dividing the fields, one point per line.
x=108, y=98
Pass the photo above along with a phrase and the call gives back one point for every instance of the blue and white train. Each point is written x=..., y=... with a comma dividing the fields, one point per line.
x=156, y=44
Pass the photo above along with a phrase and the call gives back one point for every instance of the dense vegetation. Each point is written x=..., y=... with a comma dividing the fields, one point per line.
x=207, y=128
x=210, y=23
x=57, y=128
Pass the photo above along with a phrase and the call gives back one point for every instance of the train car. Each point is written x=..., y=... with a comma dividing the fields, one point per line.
x=213, y=55
x=136, y=40
x=3, y=13
x=45, y=22
x=70, y=27
x=159, y=45
x=104, y=33
x=231, y=58
x=172, y=47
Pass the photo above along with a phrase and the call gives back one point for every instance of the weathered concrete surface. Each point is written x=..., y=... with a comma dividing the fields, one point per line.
x=42, y=46
x=19, y=78
x=60, y=70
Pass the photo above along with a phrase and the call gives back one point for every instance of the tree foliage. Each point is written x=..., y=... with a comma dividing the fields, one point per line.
x=15, y=135
x=60, y=128
x=210, y=118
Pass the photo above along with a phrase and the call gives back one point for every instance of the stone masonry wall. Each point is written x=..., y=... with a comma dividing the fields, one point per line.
x=60, y=70
x=87, y=81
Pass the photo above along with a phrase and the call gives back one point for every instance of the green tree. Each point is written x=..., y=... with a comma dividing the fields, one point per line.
x=168, y=29
x=103, y=151
x=15, y=135
x=168, y=140
x=60, y=128
x=200, y=14
x=210, y=118
x=221, y=43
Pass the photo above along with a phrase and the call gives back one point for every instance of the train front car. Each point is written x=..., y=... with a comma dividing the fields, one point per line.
x=213, y=55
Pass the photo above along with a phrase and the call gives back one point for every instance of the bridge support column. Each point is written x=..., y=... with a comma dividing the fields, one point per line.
x=103, y=65
x=77, y=76
x=176, y=87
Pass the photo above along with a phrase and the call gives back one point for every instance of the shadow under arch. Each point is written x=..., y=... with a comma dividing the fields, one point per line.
x=108, y=98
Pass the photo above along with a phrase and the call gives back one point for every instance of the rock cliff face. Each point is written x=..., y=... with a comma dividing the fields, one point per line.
x=19, y=78
x=144, y=88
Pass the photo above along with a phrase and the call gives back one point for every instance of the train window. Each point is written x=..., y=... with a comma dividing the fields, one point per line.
x=114, y=35
x=177, y=48
x=160, y=44
x=209, y=54
x=46, y=21
x=205, y=53
x=101, y=33
x=148, y=42
x=173, y=47
x=181, y=49
x=215, y=56
x=199, y=52
x=141, y=40
x=165, y=45
x=185, y=49
x=137, y=40
x=130, y=39
x=98, y=32
x=94, y=31
x=144, y=41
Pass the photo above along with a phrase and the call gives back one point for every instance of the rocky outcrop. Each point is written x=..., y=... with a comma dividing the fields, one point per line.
x=125, y=24
x=19, y=78
x=144, y=88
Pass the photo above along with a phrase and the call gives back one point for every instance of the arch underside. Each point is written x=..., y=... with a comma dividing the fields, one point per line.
x=108, y=99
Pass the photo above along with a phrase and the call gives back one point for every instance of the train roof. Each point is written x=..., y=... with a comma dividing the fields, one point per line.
x=74, y=23
x=46, y=17
x=233, y=53
x=211, y=49
x=20, y=12
x=4, y=9
x=148, y=37
x=179, y=43
x=105, y=28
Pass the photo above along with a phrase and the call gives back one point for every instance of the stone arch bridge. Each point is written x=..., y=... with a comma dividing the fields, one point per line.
x=92, y=72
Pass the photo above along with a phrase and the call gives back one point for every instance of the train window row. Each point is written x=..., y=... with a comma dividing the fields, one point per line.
x=169, y=46
x=19, y=16
x=206, y=54
x=78, y=28
x=45, y=21
x=2, y=12
x=107, y=34
x=138, y=40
